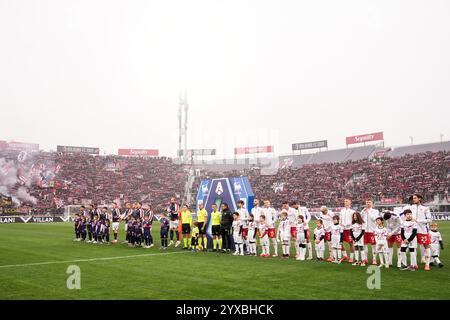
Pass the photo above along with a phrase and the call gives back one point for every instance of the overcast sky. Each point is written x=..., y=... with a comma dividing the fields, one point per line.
x=108, y=73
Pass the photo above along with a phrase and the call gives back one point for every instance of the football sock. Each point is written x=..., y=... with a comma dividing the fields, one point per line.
x=413, y=257
x=214, y=243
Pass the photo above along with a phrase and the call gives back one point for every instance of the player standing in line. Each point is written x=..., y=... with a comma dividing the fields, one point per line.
x=409, y=237
x=264, y=236
x=116, y=215
x=319, y=239
x=301, y=238
x=370, y=215
x=138, y=211
x=164, y=232
x=130, y=231
x=394, y=228
x=216, y=217
x=173, y=212
x=237, y=234
x=284, y=234
x=82, y=228
x=307, y=216
x=357, y=233
x=292, y=214
x=147, y=226
x=243, y=216
x=346, y=216
x=252, y=231
x=257, y=211
x=186, y=222
x=202, y=220
x=422, y=215
x=326, y=216
x=226, y=224
x=138, y=233
x=195, y=236
x=436, y=244
x=270, y=219
x=76, y=222
x=106, y=231
x=381, y=235
x=337, y=237
x=126, y=216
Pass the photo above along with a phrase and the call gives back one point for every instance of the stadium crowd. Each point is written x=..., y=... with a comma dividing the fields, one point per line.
x=75, y=179
x=329, y=184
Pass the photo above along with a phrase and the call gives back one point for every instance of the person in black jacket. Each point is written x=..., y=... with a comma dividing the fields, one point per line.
x=225, y=227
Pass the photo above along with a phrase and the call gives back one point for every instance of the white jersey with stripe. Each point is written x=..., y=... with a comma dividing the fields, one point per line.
x=346, y=217
x=271, y=216
x=327, y=220
x=370, y=219
x=243, y=216
x=422, y=215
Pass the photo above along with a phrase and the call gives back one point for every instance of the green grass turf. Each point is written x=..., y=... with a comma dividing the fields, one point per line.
x=189, y=275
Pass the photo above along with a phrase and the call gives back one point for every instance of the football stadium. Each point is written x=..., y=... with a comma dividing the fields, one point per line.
x=310, y=160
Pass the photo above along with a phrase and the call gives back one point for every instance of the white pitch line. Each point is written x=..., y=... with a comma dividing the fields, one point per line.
x=88, y=260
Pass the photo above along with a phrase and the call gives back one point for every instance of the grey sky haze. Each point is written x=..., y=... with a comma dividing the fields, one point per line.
x=108, y=73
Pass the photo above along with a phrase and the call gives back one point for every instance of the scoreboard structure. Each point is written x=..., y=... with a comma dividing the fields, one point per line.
x=224, y=190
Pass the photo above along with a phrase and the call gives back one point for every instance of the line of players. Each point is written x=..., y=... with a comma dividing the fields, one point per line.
x=358, y=230
x=411, y=227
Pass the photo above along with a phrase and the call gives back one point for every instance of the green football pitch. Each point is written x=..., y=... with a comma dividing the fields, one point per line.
x=34, y=259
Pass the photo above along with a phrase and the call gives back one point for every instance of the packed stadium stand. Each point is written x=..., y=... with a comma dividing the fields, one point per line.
x=414, y=149
x=328, y=183
x=58, y=179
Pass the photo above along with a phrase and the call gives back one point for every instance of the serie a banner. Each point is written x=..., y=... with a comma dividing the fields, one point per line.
x=32, y=219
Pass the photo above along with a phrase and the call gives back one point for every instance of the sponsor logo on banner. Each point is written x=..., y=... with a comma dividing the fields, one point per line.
x=22, y=146
x=25, y=220
x=70, y=149
x=138, y=152
x=197, y=152
x=7, y=220
x=310, y=145
x=365, y=138
x=219, y=188
x=249, y=150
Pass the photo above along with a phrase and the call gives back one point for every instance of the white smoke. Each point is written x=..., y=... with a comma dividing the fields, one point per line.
x=9, y=180
x=22, y=194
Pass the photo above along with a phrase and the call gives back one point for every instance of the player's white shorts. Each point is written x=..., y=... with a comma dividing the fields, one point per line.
x=435, y=249
x=265, y=241
x=174, y=224
x=251, y=236
x=237, y=239
x=381, y=247
x=285, y=236
x=301, y=238
x=411, y=245
x=336, y=242
x=115, y=226
x=320, y=246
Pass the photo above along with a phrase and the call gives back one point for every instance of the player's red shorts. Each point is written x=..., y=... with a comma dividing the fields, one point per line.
x=327, y=236
x=294, y=232
x=369, y=238
x=423, y=238
x=272, y=233
x=347, y=236
x=244, y=233
x=395, y=239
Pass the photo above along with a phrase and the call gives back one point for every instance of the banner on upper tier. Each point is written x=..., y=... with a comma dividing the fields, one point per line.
x=365, y=138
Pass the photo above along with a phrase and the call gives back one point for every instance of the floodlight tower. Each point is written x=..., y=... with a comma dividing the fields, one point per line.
x=183, y=109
